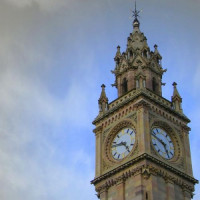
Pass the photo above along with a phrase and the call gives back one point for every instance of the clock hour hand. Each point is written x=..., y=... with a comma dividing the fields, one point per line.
x=120, y=144
x=124, y=143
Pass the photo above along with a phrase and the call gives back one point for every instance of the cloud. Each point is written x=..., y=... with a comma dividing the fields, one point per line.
x=38, y=157
x=31, y=156
x=45, y=5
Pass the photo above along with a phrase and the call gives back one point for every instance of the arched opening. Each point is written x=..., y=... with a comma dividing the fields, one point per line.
x=147, y=197
x=131, y=53
x=124, y=86
x=117, y=61
x=158, y=60
x=145, y=53
x=154, y=84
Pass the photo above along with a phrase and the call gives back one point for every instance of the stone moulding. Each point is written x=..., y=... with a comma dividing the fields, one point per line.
x=135, y=94
x=149, y=158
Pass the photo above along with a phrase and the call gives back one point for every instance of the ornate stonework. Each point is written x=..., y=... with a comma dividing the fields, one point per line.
x=147, y=170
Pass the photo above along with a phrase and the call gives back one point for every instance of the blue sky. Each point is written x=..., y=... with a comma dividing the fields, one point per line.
x=54, y=56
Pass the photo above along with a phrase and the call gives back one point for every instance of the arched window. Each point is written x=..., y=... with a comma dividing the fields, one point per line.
x=158, y=60
x=147, y=198
x=145, y=53
x=154, y=84
x=117, y=61
x=131, y=53
x=124, y=86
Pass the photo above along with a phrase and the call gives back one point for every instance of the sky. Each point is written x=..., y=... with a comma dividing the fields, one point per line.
x=54, y=56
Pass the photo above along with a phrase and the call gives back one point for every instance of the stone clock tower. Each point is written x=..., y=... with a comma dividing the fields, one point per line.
x=142, y=143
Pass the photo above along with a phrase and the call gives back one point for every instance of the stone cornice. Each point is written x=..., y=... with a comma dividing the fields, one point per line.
x=149, y=158
x=135, y=94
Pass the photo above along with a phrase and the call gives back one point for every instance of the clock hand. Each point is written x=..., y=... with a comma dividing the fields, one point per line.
x=159, y=140
x=166, y=149
x=167, y=152
x=162, y=144
x=124, y=143
x=116, y=145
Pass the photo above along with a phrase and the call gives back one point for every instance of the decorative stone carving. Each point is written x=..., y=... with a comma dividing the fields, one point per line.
x=146, y=173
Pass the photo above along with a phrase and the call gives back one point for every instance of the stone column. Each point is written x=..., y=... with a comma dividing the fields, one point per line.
x=186, y=148
x=98, y=132
x=170, y=190
x=186, y=194
x=138, y=187
x=104, y=194
x=143, y=129
x=120, y=190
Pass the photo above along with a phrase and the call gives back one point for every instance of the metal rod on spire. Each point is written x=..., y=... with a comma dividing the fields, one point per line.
x=135, y=6
x=136, y=12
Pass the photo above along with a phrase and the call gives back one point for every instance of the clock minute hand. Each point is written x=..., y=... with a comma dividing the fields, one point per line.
x=160, y=140
x=162, y=144
x=166, y=149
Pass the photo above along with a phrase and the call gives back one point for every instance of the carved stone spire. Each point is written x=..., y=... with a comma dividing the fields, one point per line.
x=117, y=56
x=138, y=66
x=103, y=101
x=176, y=99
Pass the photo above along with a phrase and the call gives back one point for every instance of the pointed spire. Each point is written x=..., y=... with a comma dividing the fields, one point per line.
x=176, y=99
x=156, y=52
x=176, y=93
x=118, y=53
x=103, y=101
x=156, y=49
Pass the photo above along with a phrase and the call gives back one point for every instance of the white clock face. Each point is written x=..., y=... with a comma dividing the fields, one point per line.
x=162, y=143
x=123, y=143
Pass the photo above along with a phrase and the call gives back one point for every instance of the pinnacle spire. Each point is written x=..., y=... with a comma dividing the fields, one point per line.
x=176, y=93
x=103, y=93
x=176, y=99
x=103, y=100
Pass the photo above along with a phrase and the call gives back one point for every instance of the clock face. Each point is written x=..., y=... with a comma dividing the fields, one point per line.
x=123, y=143
x=162, y=143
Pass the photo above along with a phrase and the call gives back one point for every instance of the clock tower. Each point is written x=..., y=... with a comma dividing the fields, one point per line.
x=142, y=143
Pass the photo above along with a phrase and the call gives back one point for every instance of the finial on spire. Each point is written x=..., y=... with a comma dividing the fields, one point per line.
x=136, y=13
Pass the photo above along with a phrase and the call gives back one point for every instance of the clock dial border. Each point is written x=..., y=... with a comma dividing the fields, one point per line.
x=175, y=138
x=123, y=143
x=162, y=143
x=107, y=155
